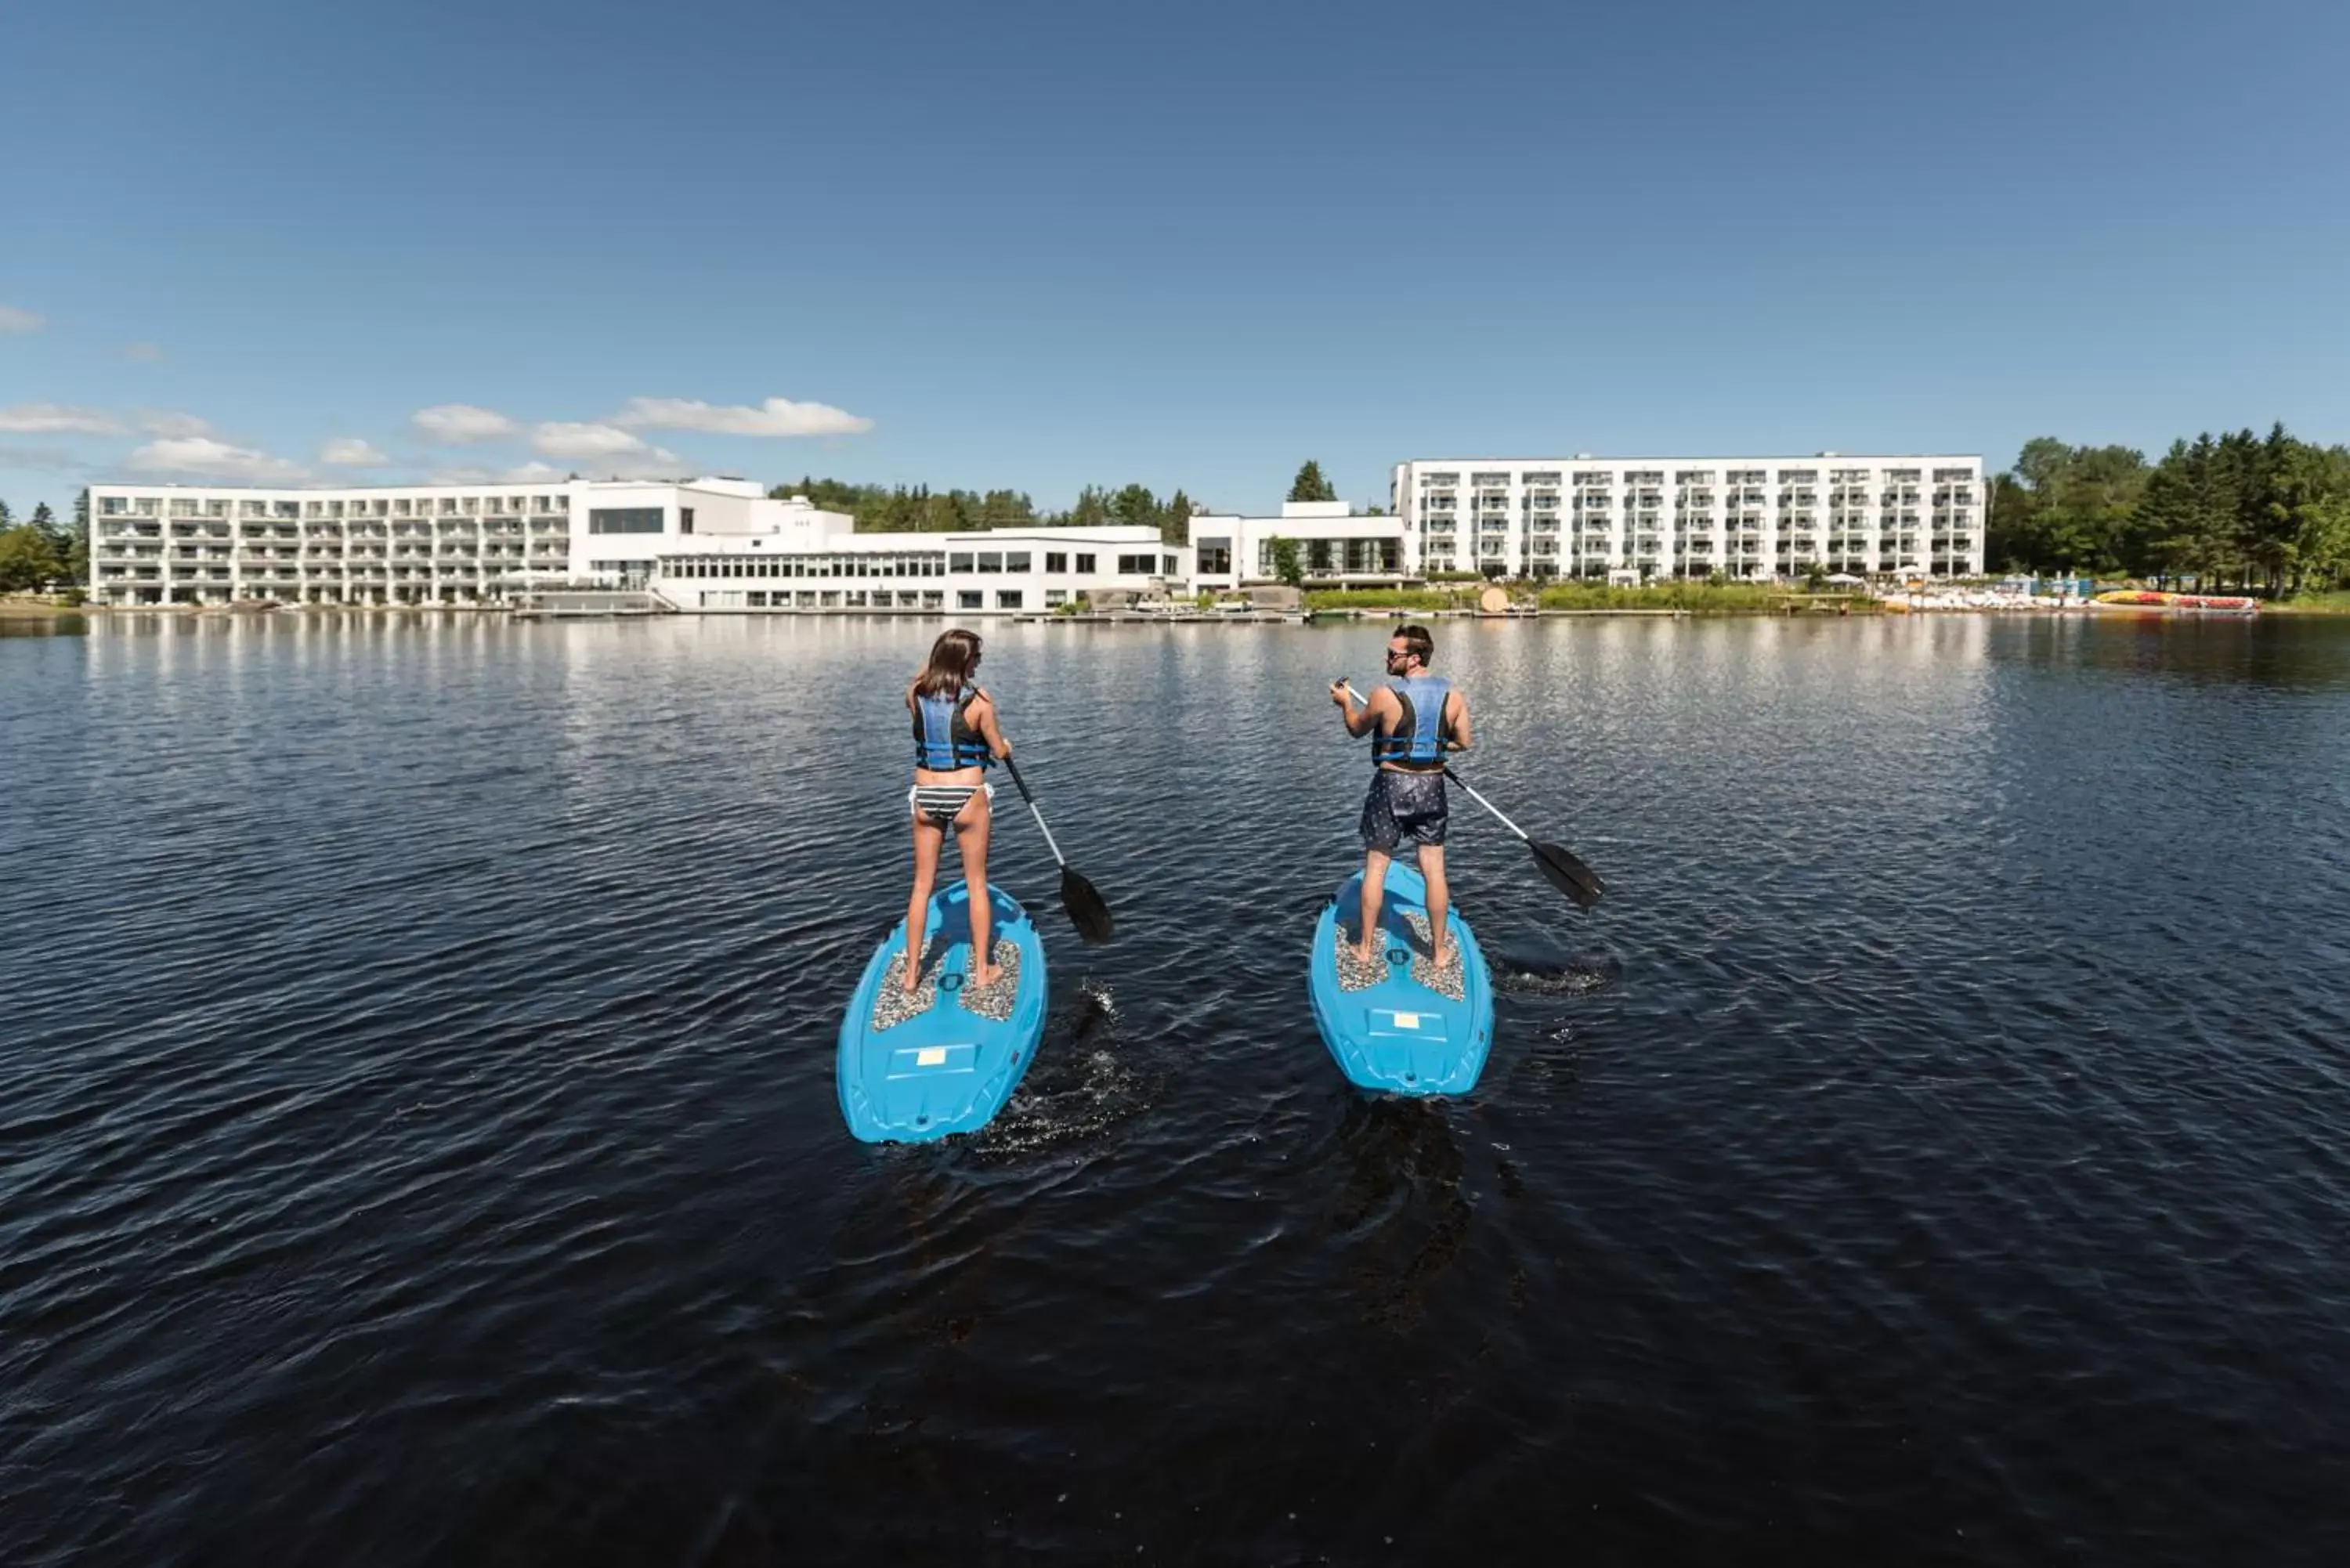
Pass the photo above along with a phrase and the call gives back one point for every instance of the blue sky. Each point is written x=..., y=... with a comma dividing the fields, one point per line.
x=1038, y=245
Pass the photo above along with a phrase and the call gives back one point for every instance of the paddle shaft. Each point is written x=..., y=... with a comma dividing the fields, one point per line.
x=1061, y=859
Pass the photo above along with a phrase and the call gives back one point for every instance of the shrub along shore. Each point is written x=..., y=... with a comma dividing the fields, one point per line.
x=1692, y=598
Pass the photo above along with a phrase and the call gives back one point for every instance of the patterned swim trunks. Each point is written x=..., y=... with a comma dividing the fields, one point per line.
x=1403, y=806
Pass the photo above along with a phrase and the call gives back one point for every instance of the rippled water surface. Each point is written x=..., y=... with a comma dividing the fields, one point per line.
x=418, y=1141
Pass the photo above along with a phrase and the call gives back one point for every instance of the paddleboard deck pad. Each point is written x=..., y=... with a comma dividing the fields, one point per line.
x=1400, y=1024
x=913, y=1067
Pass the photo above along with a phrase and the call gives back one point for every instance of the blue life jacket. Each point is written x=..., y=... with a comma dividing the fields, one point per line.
x=943, y=738
x=1418, y=743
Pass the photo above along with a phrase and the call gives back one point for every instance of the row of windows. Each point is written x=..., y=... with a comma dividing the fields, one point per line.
x=875, y=598
x=926, y=564
x=402, y=506
x=699, y=566
x=1439, y=483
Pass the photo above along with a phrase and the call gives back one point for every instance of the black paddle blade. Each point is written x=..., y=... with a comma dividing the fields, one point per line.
x=1087, y=911
x=1568, y=875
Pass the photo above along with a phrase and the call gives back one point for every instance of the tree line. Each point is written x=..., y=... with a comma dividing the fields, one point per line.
x=37, y=553
x=916, y=508
x=2269, y=513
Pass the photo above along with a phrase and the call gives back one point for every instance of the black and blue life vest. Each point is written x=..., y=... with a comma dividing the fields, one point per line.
x=1419, y=740
x=943, y=738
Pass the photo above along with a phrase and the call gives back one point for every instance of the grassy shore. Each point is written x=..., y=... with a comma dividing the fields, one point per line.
x=1697, y=598
x=2310, y=603
x=25, y=607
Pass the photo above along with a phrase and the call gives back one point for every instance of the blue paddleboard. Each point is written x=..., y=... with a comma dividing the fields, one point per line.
x=944, y=1061
x=1401, y=1026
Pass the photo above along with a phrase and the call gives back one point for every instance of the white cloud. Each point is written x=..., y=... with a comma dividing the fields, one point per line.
x=775, y=416
x=57, y=419
x=40, y=459
x=532, y=472
x=653, y=463
x=209, y=459
x=143, y=353
x=557, y=439
x=459, y=423
x=350, y=452
x=166, y=422
x=14, y=320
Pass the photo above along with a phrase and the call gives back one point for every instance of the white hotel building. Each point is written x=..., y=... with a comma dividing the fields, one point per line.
x=704, y=545
x=1746, y=517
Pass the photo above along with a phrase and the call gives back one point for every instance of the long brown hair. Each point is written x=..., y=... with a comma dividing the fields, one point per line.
x=953, y=658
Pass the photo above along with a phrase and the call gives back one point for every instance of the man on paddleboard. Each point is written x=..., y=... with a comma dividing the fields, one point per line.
x=1414, y=721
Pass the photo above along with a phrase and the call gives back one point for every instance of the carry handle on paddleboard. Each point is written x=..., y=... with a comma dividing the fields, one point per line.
x=1561, y=866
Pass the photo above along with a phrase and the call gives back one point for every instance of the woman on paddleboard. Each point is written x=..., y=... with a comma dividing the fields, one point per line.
x=956, y=740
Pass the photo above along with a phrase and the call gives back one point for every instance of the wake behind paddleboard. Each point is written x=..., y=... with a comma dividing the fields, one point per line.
x=944, y=1060
x=1401, y=1026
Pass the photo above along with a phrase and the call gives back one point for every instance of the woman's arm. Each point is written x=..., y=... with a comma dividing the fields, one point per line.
x=983, y=719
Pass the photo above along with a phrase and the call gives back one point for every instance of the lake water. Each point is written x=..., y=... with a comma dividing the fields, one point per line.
x=418, y=1141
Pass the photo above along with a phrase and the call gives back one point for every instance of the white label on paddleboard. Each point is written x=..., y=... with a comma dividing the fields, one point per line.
x=930, y=1056
x=1407, y=1021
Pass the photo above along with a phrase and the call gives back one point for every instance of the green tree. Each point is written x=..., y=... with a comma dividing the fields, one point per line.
x=1285, y=563
x=77, y=547
x=1310, y=484
x=26, y=561
x=1175, y=519
x=2011, y=535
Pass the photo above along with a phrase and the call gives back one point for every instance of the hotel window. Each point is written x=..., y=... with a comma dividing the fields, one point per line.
x=1134, y=565
x=990, y=560
x=968, y=598
x=959, y=560
x=1007, y=598
x=685, y=520
x=1085, y=562
x=1215, y=556
x=1056, y=560
x=625, y=520
x=1016, y=560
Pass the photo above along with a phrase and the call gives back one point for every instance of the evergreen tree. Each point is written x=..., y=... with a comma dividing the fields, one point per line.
x=1310, y=484
x=78, y=545
x=1175, y=520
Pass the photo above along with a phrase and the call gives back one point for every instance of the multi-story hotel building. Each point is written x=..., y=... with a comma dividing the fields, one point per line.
x=710, y=543
x=1744, y=517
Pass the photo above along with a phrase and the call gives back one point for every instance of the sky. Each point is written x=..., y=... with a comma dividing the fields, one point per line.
x=1041, y=245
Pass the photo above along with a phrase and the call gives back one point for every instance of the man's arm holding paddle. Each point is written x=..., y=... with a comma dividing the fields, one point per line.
x=1363, y=721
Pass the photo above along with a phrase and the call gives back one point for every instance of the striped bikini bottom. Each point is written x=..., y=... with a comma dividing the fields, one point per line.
x=944, y=803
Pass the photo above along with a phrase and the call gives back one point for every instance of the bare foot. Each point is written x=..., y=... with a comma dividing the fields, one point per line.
x=1443, y=955
x=913, y=980
x=1365, y=953
x=983, y=975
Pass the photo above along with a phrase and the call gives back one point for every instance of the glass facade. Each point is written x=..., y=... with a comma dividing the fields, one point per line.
x=625, y=520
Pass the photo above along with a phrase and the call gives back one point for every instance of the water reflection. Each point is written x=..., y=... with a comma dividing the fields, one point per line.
x=44, y=626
